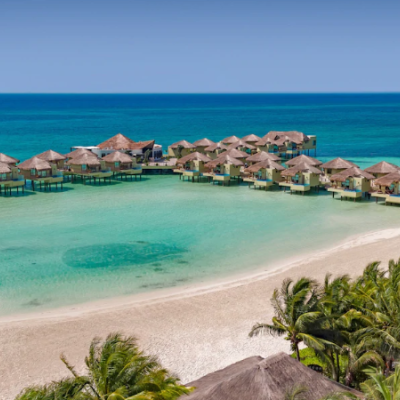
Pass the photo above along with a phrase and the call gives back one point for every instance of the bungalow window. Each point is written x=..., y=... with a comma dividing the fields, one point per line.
x=314, y=142
x=3, y=176
x=33, y=171
x=84, y=167
x=329, y=171
x=116, y=164
x=42, y=173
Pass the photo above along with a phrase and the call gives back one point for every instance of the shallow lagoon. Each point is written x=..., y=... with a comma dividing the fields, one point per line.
x=96, y=242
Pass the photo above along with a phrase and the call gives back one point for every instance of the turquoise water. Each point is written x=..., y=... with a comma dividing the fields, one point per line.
x=96, y=242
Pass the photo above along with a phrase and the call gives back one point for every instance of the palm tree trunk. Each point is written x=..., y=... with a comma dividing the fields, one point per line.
x=337, y=366
x=296, y=345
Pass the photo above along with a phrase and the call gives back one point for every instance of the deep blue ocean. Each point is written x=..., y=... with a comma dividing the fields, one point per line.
x=348, y=125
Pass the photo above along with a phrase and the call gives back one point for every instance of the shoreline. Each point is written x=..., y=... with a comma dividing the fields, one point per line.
x=192, y=333
x=199, y=288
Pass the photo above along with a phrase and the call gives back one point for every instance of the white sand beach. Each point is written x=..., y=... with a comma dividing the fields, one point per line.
x=193, y=330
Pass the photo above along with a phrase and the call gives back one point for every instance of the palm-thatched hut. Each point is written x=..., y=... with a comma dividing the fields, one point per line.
x=251, y=139
x=303, y=159
x=53, y=157
x=302, y=177
x=351, y=183
x=224, y=168
x=382, y=168
x=5, y=159
x=202, y=144
x=242, y=146
x=293, y=142
x=192, y=165
x=78, y=152
x=88, y=167
x=262, y=156
x=215, y=150
x=268, y=145
x=240, y=155
x=118, y=142
x=10, y=178
x=229, y=140
x=122, y=164
x=336, y=166
x=41, y=171
x=388, y=188
x=181, y=149
x=264, y=174
x=272, y=378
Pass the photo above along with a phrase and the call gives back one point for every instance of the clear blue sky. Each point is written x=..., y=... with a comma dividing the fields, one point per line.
x=199, y=45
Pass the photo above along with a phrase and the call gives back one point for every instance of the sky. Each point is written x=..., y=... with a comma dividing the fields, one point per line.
x=196, y=46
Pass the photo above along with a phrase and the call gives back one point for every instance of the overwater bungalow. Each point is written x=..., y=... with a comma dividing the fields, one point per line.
x=215, y=150
x=118, y=142
x=229, y=140
x=351, y=183
x=5, y=159
x=192, y=166
x=293, y=142
x=181, y=149
x=53, y=158
x=10, y=178
x=251, y=139
x=382, y=168
x=240, y=155
x=303, y=159
x=202, y=144
x=89, y=167
x=41, y=172
x=79, y=152
x=271, y=378
x=302, y=177
x=223, y=169
x=269, y=146
x=264, y=174
x=336, y=166
x=242, y=146
x=123, y=165
x=262, y=156
x=387, y=188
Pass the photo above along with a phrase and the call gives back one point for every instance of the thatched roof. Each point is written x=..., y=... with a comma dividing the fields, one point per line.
x=203, y=142
x=268, y=164
x=294, y=136
x=183, y=143
x=4, y=158
x=389, y=179
x=241, y=143
x=118, y=156
x=303, y=159
x=353, y=172
x=147, y=144
x=382, y=168
x=78, y=152
x=117, y=142
x=34, y=163
x=216, y=146
x=301, y=167
x=192, y=157
x=263, y=379
x=263, y=155
x=51, y=155
x=236, y=153
x=251, y=138
x=4, y=168
x=338, y=163
x=230, y=139
x=84, y=159
x=224, y=158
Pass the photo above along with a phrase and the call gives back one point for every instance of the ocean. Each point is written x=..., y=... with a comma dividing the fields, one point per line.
x=97, y=242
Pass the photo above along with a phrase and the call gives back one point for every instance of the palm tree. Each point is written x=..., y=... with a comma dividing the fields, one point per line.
x=297, y=392
x=380, y=387
x=116, y=370
x=296, y=315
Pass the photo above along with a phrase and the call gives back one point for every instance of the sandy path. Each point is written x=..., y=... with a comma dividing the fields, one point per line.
x=191, y=335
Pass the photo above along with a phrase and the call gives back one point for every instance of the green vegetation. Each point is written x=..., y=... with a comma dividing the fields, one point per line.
x=348, y=326
x=115, y=370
